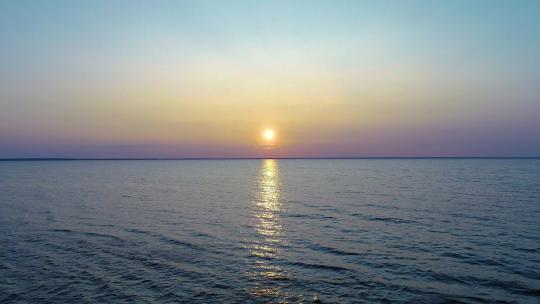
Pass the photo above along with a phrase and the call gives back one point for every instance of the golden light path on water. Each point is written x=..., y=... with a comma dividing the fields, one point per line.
x=269, y=230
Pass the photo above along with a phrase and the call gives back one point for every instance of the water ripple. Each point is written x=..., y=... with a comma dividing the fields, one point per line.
x=269, y=231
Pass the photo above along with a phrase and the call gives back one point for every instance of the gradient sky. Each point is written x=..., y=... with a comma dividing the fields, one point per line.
x=333, y=78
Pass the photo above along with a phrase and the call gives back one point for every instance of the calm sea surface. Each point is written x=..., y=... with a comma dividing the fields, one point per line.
x=258, y=231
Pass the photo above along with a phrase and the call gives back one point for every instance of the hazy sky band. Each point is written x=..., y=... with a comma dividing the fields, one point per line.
x=334, y=78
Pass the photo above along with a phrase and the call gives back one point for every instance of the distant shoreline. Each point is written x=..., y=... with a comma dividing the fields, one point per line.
x=260, y=158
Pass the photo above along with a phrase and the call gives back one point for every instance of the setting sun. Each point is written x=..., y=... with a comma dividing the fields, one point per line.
x=269, y=134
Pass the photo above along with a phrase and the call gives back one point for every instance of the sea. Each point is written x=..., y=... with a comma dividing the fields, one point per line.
x=270, y=231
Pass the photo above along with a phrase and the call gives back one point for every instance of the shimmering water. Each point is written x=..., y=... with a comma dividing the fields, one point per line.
x=250, y=231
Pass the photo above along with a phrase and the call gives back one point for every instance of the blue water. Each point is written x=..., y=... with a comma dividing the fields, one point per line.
x=270, y=231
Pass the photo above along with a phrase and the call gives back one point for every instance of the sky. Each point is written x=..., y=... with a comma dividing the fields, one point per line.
x=137, y=79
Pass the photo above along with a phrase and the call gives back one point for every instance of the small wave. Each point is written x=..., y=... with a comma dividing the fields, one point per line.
x=384, y=219
x=515, y=287
x=319, y=266
x=102, y=235
x=531, y=250
x=176, y=242
x=310, y=216
x=445, y=278
x=392, y=220
x=99, y=225
x=331, y=250
x=60, y=230
x=138, y=231
x=532, y=292
x=171, y=241
x=88, y=233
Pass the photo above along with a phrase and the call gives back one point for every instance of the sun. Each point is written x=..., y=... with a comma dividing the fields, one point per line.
x=269, y=134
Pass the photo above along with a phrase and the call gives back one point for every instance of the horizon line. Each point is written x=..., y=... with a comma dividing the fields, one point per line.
x=258, y=158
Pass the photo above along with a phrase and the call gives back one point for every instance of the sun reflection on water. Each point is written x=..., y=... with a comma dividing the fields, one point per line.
x=265, y=249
